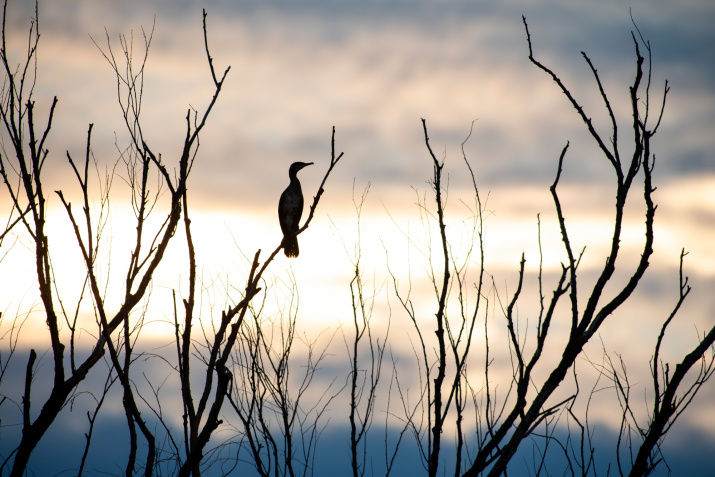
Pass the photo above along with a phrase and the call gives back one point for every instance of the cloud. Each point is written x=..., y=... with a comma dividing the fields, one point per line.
x=373, y=70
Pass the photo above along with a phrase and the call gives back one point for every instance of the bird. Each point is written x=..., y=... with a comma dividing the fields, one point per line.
x=290, y=208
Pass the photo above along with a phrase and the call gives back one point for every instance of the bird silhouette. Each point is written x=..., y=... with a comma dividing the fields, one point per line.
x=290, y=208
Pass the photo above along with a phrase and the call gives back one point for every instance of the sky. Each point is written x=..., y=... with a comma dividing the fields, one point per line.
x=373, y=70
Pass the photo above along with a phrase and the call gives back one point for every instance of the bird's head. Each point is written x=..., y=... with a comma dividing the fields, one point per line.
x=296, y=166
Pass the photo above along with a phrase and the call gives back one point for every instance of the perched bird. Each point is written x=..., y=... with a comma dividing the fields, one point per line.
x=290, y=208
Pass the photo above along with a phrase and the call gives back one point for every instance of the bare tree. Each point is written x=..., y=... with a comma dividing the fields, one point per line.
x=528, y=413
x=365, y=353
x=445, y=391
x=203, y=419
x=245, y=358
x=144, y=167
x=18, y=117
x=529, y=410
x=280, y=422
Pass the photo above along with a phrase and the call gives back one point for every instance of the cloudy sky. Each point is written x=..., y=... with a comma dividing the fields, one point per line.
x=373, y=70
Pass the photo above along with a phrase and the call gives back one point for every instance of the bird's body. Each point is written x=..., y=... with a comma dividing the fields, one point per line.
x=290, y=209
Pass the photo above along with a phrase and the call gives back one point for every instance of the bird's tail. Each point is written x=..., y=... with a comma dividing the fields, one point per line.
x=290, y=246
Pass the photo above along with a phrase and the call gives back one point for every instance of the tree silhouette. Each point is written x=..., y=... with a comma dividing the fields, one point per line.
x=235, y=371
